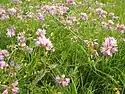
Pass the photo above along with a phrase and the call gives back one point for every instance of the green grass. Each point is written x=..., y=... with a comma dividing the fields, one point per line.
x=99, y=75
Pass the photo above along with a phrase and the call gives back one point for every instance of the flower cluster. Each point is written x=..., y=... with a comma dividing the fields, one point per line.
x=11, y=89
x=120, y=28
x=3, y=15
x=101, y=12
x=109, y=46
x=12, y=11
x=84, y=16
x=40, y=17
x=70, y=2
x=70, y=20
x=21, y=40
x=3, y=55
x=11, y=32
x=16, y=1
x=108, y=25
x=42, y=40
x=55, y=9
x=2, y=11
x=63, y=81
x=61, y=17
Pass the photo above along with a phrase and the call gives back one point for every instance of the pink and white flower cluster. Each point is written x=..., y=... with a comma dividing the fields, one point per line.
x=108, y=25
x=16, y=1
x=42, y=40
x=11, y=89
x=63, y=81
x=70, y=2
x=70, y=20
x=21, y=40
x=3, y=55
x=2, y=11
x=55, y=9
x=101, y=12
x=109, y=46
x=40, y=17
x=3, y=15
x=11, y=32
x=84, y=16
x=120, y=28
x=12, y=11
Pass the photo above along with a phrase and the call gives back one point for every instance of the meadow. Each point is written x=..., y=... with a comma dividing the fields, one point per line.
x=62, y=47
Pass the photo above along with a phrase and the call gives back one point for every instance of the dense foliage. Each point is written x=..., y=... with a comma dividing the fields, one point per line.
x=62, y=47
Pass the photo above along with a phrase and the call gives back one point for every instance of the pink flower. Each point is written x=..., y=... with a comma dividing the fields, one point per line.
x=45, y=8
x=55, y=9
x=12, y=63
x=109, y=46
x=66, y=82
x=21, y=39
x=108, y=25
x=40, y=17
x=120, y=28
x=44, y=42
x=5, y=53
x=1, y=57
x=11, y=32
x=71, y=19
x=101, y=12
x=16, y=1
x=5, y=91
x=15, y=89
x=41, y=32
x=70, y=1
x=12, y=88
x=2, y=64
x=48, y=45
x=58, y=79
x=12, y=11
x=62, y=9
x=63, y=81
x=2, y=11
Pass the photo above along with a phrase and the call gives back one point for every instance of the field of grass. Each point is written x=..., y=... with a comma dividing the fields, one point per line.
x=62, y=47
